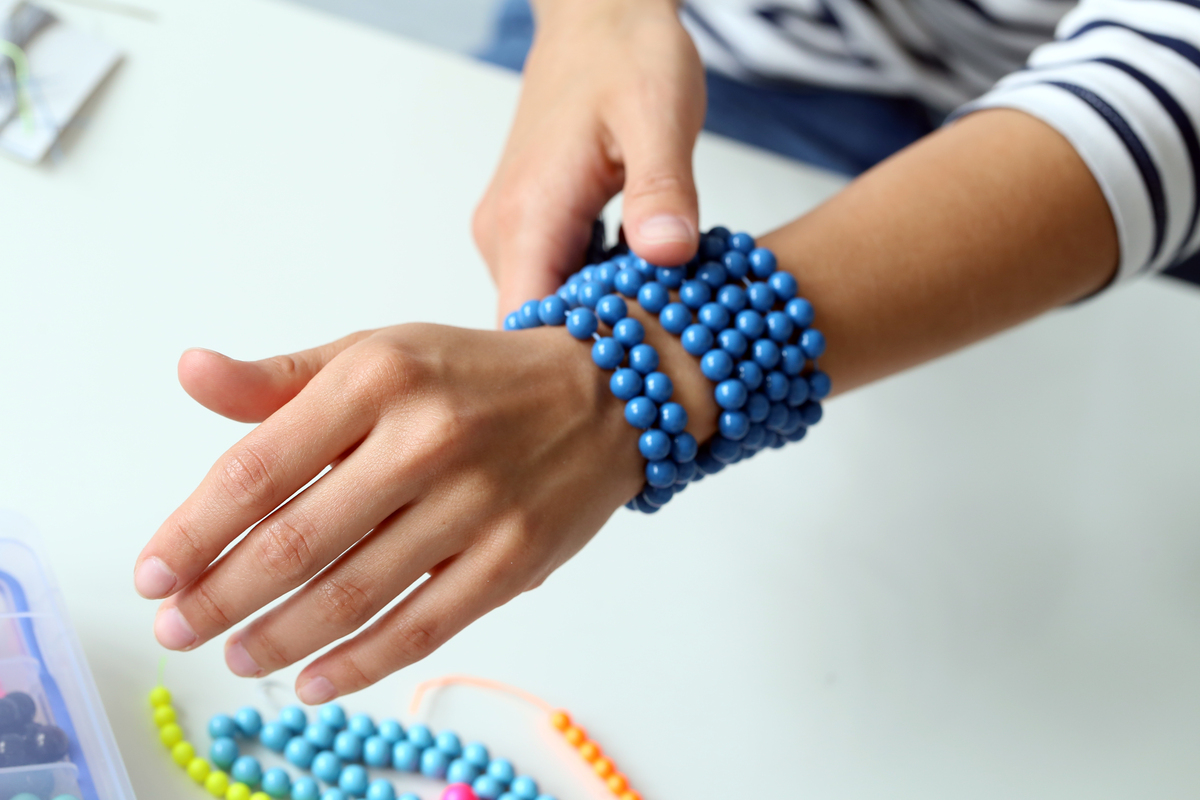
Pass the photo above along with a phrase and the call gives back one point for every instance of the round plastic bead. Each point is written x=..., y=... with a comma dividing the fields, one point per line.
x=658, y=387
x=672, y=418
x=588, y=273
x=305, y=788
x=327, y=766
x=653, y=297
x=779, y=326
x=792, y=359
x=694, y=293
x=758, y=407
x=800, y=310
x=625, y=384
x=376, y=751
x=750, y=373
x=582, y=323
x=743, y=243
x=749, y=323
x=223, y=752
x=766, y=353
x=777, y=418
x=487, y=788
x=528, y=314
x=657, y=496
x=723, y=449
x=524, y=787
x=712, y=273
x=732, y=298
x=249, y=722
x=391, y=731
x=434, y=763
x=222, y=726
x=171, y=734
x=457, y=791
x=717, y=365
x=640, y=412
x=334, y=793
x=552, y=310
x=629, y=332
x=628, y=281
x=160, y=696
x=320, y=735
x=643, y=358
x=611, y=309
x=811, y=412
x=798, y=391
x=198, y=770
x=683, y=447
x=760, y=297
x=590, y=293
x=795, y=421
x=381, y=789
x=606, y=274
x=354, y=779
x=294, y=717
x=733, y=342
x=164, y=715
x=754, y=437
x=512, y=322
x=300, y=752
x=670, y=277
x=713, y=245
x=731, y=394
x=776, y=386
x=449, y=743
x=697, y=339
x=247, y=770
x=238, y=791
x=736, y=264
x=607, y=353
x=762, y=262
x=217, y=783
x=501, y=770
x=797, y=434
x=812, y=342
x=571, y=293
x=421, y=736
x=707, y=465
x=361, y=725
x=654, y=445
x=687, y=471
x=461, y=771
x=675, y=317
x=819, y=385
x=406, y=756
x=784, y=285
x=348, y=746
x=476, y=754
x=183, y=753
x=733, y=425
x=713, y=316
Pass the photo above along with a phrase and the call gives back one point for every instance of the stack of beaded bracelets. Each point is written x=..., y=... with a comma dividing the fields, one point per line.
x=737, y=313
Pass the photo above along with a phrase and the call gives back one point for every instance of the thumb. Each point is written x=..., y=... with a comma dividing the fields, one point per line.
x=661, y=216
x=251, y=391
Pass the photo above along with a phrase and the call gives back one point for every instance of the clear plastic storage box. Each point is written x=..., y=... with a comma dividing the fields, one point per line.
x=40, y=656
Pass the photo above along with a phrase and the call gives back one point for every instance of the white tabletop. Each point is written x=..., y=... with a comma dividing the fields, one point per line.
x=978, y=579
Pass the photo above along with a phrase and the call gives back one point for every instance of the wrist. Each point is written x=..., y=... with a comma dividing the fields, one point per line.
x=555, y=15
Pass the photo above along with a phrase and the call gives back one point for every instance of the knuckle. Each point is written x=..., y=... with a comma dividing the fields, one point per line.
x=656, y=183
x=284, y=548
x=181, y=533
x=271, y=651
x=247, y=476
x=286, y=366
x=383, y=373
x=344, y=603
x=209, y=604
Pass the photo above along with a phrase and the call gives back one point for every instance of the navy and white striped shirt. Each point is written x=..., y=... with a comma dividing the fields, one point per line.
x=1120, y=79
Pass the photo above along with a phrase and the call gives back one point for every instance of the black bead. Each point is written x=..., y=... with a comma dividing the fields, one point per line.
x=47, y=744
x=26, y=708
x=12, y=750
x=10, y=715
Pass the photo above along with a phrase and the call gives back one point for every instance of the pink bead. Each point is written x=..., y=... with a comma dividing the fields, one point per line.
x=459, y=791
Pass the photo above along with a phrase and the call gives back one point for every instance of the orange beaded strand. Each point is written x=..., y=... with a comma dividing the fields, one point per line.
x=602, y=765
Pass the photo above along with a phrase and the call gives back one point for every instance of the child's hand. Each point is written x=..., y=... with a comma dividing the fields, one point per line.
x=486, y=459
x=613, y=97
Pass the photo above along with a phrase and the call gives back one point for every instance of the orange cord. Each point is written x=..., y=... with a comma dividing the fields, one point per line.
x=483, y=683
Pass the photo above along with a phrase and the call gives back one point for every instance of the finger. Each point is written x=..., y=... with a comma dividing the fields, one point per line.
x=251, y=391
x=286, y=549
x=461, y=592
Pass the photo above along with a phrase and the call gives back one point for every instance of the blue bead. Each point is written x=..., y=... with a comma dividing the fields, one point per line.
x=643, y=266
x=714, y=316
x=819, y=385
x=643, y=358
x=276, y=782
x=795, y=421
x=354, y=780
x=708, y=464
x=801, y=312
x=564, y=294
x=712, y=246
x=762, y=262
x=512, y=322
x=640, y=503
x=792, y=358
x=524, y=787
x=658, y=387
x=334, y=793
x=487, y=788
x=675, y=317
x=777, y=386
x=406, y=756
x=546, y=797
x=777, y=418
x=421, y=736
x=733, y=425
x=731, y=394
x=757, y=407
x=760, y=297
x=377, y=752
x=723, y=449
x=305, y=788
x=684, y=447
x=750, y=373
x=766, y=353
x=812, y=342
x=717, y=365
x=501, y=770
x=361, y=725
x=606, y=274
x=590, y=293
x=275, y=736
x=333, y=716
x=736, y=265
x=754, y=437
x=572, y=297
x=381, y=789
x=348, y=746
x=247, y=770
x=672, y=418
x=222, y=726
x=687, y=471
x=732, y=298
x=628, y=281
x=327, y=766
x=625, y=384
x=812, y=412
x=654, y=445
x=611, y=309
x=300, y=752
x=657, y=496
x=694, y=294
x=733, y=342
x=653, y=297
x=552, y=310
x=779, y=326
x=391, y=731
x=320, y=735
x=640, y=412
x=223, y=752
x=741, y=242
x=798, y=391
x=670, y=277
x=797, y=434
x=448, y=742
x=712, y=273
x=528, y=314
x=750, y=323
x=629, y=332
x=607, y=353
x=249, y=722
x=460, y=771
x=588, y=273
x=582, y=323
x=784, y=285
x=697, y=339
x=476, y=754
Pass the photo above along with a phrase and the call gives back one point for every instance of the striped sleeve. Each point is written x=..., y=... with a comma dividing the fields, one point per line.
x=1121, y=81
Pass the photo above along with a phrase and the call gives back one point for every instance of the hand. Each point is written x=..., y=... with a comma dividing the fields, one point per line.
x=613, y=97
x=484, y=459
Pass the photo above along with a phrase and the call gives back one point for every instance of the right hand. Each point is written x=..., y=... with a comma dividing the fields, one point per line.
x=613, y=98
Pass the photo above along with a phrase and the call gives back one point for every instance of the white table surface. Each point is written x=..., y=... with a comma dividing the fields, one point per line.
x=978, y=579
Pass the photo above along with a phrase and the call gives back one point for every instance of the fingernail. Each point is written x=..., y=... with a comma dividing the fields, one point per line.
x=173, y=631
x=154, y=579
x=240, y=662
x=665, y=228
x=316, y=691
